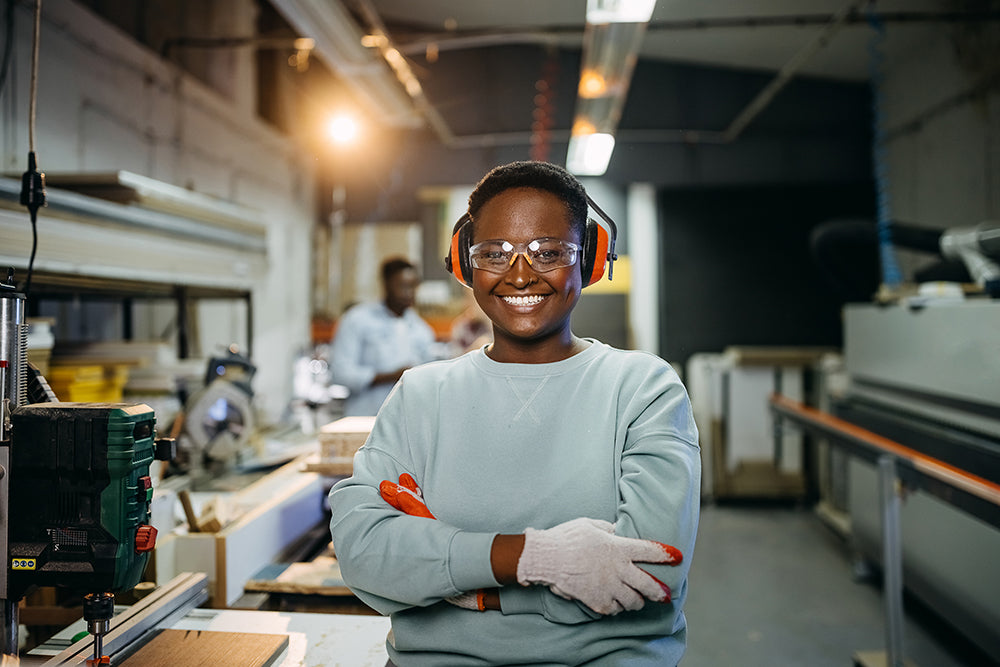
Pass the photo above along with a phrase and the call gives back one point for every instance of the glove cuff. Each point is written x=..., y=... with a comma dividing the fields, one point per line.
x=474, y=600
x=531, y=565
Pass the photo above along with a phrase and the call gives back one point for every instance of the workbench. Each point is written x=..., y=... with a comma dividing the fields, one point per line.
x=314, y=640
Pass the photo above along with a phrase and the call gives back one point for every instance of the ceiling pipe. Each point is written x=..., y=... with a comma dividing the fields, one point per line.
x=338, y=44
x=555, y=34
x=785, y=74
x=379, y=37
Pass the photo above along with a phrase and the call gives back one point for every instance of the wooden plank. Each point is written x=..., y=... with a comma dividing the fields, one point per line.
x=338, y=467
x=195, y=648
x=320, y=576
x=750, y=355
x=343, y=437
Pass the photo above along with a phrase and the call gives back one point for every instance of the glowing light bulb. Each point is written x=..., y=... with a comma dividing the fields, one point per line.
x=342, y=129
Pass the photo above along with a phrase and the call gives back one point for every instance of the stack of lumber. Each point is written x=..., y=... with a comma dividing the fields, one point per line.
x=338, y=442
x=87, y=383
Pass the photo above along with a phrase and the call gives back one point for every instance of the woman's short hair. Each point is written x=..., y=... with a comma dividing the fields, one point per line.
x=533, y=174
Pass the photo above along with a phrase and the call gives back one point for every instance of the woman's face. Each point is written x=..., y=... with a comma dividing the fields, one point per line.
x=530, y=310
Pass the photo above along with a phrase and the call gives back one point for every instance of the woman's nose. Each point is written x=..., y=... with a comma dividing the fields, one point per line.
x=520, y=272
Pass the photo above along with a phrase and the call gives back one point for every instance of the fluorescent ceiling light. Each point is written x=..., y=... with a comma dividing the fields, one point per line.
x=611, y=42
x=620, y=11
x=589, y=154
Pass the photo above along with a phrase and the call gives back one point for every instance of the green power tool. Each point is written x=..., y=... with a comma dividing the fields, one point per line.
x=80, y=495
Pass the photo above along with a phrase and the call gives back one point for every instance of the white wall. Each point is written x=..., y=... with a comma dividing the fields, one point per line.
x=107, y=104
x=945, y=170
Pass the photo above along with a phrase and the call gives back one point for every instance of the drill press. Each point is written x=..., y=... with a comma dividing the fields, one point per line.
x=75, y=489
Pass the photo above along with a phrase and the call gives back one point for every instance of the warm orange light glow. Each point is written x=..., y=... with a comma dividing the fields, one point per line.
x=374, y=41
x=582, y=126
x=592, y=84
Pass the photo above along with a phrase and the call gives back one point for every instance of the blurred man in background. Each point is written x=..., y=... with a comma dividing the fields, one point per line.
x=375, y=342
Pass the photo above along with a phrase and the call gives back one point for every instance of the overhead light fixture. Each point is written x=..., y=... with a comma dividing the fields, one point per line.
x=589, y=154
x=611, y=41
x=620, y=11
x=342, y=129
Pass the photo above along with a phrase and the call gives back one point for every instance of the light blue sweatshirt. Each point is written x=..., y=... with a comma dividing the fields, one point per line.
x=498, y=448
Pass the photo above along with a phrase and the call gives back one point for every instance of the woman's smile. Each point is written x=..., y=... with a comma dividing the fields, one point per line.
x=524, y=301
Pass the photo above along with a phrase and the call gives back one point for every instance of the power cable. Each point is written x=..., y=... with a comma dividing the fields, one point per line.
x=33, y=181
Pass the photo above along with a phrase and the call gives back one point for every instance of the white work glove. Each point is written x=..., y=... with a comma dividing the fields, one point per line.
x=472, y=600
x=584, y=560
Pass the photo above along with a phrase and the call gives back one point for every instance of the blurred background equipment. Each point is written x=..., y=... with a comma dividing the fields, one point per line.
x=218, y=419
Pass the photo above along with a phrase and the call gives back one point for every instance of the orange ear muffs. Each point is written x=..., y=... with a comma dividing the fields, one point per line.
x=457, y=262
x=594, y=254
x=597, y=253
x=598, y=247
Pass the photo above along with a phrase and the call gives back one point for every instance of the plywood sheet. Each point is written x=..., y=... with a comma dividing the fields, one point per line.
x=337, y=467
x=195, y=648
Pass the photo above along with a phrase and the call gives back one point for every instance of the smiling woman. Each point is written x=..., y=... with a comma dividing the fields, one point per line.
x=535, y=500
x=529, y=305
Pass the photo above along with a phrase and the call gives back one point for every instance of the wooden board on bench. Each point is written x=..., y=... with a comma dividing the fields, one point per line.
x=219, y=649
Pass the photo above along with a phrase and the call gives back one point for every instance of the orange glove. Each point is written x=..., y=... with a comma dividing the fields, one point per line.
x=405, y=496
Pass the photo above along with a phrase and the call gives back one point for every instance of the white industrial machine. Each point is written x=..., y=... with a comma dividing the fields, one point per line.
x=926, y=375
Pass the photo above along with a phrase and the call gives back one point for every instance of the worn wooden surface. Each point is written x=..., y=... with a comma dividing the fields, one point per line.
x=321, y=576
x=197, y=648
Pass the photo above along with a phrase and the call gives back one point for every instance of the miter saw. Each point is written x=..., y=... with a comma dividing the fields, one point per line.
x=218, y=419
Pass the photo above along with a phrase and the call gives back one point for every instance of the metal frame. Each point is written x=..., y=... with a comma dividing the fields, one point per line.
x=894, y=461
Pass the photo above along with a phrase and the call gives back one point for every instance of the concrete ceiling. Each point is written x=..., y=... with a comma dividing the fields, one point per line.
x=771, y=39
x=743, y=34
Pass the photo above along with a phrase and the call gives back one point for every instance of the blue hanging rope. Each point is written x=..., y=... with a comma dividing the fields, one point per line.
x=891, y=275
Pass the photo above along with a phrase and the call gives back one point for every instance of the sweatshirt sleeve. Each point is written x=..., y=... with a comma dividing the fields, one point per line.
x=538, y=599
x=660, y=482
x=391, y=560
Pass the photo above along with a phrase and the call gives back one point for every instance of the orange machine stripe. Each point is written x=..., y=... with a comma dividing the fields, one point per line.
x=945, y=472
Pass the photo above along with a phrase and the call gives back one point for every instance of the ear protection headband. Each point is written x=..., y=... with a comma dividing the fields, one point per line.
x=597, y=252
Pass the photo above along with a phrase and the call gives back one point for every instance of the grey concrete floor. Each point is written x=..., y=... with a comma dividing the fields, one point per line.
x=774, y=586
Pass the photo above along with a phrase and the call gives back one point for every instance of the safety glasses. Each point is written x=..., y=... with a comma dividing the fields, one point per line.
x=546, y=254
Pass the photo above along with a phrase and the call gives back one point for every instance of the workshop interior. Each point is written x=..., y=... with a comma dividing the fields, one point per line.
x=807, y=205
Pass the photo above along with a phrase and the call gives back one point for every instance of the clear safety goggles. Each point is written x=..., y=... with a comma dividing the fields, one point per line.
x=497, y=256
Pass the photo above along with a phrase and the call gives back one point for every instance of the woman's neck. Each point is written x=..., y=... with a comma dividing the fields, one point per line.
x=535, y=352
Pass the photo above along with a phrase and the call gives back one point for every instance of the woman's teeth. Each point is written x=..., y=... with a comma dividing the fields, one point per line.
x=523, y=300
